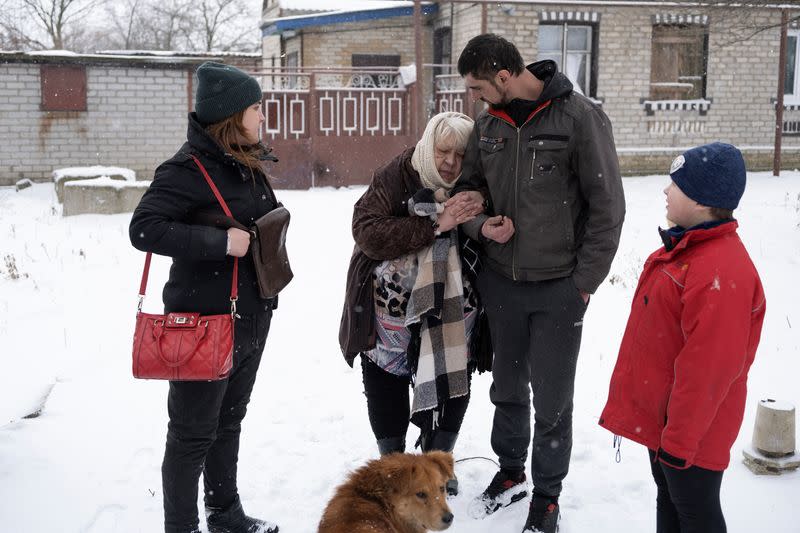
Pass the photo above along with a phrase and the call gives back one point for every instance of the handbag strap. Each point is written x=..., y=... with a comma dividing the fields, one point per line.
x=234, y=281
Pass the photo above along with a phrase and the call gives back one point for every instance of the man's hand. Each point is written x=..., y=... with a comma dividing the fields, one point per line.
x=239, y=242
x=499, y=229
x=585, y=296
x=465, y=205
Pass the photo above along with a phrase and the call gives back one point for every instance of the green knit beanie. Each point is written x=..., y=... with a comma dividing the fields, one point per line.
x=222, y=91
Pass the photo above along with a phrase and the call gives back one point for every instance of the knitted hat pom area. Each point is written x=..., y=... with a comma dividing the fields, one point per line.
x=222, y=91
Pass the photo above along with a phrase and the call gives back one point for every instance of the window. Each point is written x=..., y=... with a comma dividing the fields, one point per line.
x=442, y=50
x=678, y=62
x=377, y=62
x=791, y=86
x=573, y=47
x=291, y=66
x=63, y=88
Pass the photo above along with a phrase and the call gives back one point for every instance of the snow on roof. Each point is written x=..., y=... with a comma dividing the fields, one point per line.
x=93, y=171
x=154, y=57
x=177, y=53
x=105, y=181
x=349, y=12
x=52, y=53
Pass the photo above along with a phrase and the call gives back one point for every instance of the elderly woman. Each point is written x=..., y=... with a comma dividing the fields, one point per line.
x=410, y=310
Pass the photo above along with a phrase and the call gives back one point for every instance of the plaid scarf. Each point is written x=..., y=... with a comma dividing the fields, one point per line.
x=437, y=305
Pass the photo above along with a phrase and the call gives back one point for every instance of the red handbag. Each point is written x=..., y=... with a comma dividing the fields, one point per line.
x=185, y=346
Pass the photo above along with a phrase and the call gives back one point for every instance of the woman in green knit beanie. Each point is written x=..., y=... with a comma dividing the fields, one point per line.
x=205, y=417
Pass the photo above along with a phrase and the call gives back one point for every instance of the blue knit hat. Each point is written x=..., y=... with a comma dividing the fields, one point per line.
x=222, y=91
x=712, y=175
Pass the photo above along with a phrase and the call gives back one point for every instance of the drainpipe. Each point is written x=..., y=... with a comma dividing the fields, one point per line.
x=776, y=162
x=189, y=88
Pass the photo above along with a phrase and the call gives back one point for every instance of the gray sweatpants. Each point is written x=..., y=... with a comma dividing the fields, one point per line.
x=536, y=335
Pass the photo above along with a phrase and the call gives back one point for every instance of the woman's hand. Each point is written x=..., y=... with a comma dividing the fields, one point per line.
x=465, y=205
x=239, y=242
x=447, y=220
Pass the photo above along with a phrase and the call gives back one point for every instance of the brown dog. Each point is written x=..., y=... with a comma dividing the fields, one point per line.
x=398, y=493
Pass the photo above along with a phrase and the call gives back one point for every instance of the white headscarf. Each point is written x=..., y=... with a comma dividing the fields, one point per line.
x=423, y=159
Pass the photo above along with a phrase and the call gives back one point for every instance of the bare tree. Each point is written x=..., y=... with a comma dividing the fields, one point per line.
x=126, y=19
x=742, y=19
x=192, y=25
x=224, y=23
x=55, y=16
x=16, y=33
x=169, y=24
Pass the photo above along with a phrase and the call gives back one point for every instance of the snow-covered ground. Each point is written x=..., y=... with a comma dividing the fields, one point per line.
x=91, y=461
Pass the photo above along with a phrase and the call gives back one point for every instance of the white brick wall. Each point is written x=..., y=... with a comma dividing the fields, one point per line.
x=742, y=77
x=135, y=118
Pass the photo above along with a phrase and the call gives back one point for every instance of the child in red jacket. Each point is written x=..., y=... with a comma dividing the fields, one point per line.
x=680, y=382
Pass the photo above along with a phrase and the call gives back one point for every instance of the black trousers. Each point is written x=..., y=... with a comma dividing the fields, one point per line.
x=539, y=325
x=204, y=426
x=687, y=500
x=388, y=402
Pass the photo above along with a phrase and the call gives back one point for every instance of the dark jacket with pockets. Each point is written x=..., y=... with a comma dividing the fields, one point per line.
x=166, y=223
x=557, y=178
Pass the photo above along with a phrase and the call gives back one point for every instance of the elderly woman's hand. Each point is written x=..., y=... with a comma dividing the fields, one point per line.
x=446, y=220
x=465, y=205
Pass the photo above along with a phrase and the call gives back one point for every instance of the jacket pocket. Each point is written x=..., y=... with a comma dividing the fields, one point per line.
x=491, y=145
x=548, y=161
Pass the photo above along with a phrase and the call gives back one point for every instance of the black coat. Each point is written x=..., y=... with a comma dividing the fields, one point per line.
x=166, y=223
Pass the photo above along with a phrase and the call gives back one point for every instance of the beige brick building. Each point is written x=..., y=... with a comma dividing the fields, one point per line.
x=670, y=75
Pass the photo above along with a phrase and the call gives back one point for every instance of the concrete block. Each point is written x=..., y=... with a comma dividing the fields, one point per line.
x=774, y=430
x=102, y=196
x=62, y=176
x=23, y=184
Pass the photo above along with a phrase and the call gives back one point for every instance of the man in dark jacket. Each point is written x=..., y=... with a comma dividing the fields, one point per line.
x=546, y=155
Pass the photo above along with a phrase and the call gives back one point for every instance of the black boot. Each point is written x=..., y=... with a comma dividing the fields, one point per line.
x=233, y=520
x=444, y=441
x=391, y=445
x=543, y=515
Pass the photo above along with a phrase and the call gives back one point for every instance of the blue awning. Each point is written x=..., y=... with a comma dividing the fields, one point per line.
x=278, y=26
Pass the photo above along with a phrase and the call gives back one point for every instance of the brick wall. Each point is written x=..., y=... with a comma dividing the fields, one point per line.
x=742, y=78
x=135, y=118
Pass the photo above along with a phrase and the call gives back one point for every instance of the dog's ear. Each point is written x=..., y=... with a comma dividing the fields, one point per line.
x=443, y=460
x=388, y=474
x=402, y=472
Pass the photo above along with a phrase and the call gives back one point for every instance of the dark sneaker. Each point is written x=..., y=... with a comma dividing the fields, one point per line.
x=233, y=520
x=543, y=516
x=504, y=490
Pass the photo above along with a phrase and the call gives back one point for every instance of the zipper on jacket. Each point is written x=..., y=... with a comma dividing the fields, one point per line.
x=516, y=211
x=516, y=180
x=533, y=164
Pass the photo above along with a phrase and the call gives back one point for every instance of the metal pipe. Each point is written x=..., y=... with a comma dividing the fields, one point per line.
x=419, y=102
x=776, y=161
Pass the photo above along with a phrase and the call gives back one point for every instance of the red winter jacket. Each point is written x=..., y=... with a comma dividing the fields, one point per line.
x=680, y=382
